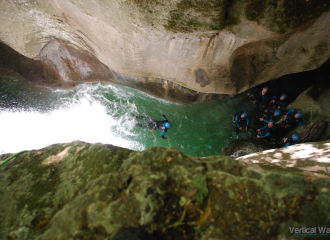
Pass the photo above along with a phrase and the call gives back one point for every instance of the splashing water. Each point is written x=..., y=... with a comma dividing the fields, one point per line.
x=33, y=118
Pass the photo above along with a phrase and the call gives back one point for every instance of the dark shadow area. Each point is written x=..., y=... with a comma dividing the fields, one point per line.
x=294, y=84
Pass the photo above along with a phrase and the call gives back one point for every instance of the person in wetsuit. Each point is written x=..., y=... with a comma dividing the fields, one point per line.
x=292, y=119
x=292, y=140
x=271, y=115
x=277, y=101
x=266, y=131
x=257, y=97
x=241, y=117
x=154, y=124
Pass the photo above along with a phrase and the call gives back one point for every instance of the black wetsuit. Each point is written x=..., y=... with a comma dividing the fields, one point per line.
x=289, y=142
x=257, y=96
x=278, y=102
x=238, y=119
x=289, y=123
x=270, y=116
x=266, y=132
x=153, y=124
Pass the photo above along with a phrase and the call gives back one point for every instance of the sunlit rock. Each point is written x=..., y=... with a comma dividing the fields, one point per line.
x=308, y=157
x=98, y=191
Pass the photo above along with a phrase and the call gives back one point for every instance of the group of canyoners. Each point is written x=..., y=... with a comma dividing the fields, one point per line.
x=291, y=119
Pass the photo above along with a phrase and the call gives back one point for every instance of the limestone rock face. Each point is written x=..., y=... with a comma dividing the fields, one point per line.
x=94, y=191
x=216, y=46
x=59, y=64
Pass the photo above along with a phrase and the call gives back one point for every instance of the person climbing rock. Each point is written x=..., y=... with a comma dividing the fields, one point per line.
x=292, y=140
x=239, y=118
x=278, y=101
x=258, y=97
x=154, y=124
x=271, y=115
x=266, y=131
x=292, y=119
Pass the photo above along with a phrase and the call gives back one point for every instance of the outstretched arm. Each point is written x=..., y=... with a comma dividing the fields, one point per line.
x=290, y=111
x=164, y=117
x=253, y=91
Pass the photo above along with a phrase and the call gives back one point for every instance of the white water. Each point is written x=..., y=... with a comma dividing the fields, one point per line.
x=34, y=118
x=84, y=115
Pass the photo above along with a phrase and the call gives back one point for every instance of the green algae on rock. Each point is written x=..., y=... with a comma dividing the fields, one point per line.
x=194, y=15
x=95, y=191
x=285, y=15
x=53, y=177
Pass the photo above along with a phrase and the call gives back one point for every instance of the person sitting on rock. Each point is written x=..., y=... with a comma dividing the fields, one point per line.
x=292, y=119
x=292, y=140
x=257, y=97
x=271, y=115
x=241, y=117
x=266, y=131
x=154, y=124
x=278, y=101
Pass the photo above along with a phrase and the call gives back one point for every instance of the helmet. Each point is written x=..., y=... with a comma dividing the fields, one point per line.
x=278, y=112
x=299, y=115
x=167, y=125
x=284, y=95
x=266, y=88
x=296, y=136
x=244, y=114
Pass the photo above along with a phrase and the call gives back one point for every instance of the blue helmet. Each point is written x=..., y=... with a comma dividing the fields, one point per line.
x=299, y=115
x=244, y=114
x=266, y=88
x=284, y=95
x=296, y=136
x=167, y=125
x=278, y=112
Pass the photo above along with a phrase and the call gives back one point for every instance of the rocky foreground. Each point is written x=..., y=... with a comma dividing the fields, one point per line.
x=95, y=191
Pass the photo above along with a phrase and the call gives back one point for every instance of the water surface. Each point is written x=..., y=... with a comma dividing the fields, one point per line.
x=33, y=118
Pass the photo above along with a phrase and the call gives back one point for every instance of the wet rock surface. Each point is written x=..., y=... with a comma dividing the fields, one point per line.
x=232, y=45
x=241, y=147
x=59, y=65
x=313, y=103
x=94, y=191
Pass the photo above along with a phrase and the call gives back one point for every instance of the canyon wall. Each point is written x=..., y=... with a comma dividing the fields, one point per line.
x=212, y=47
